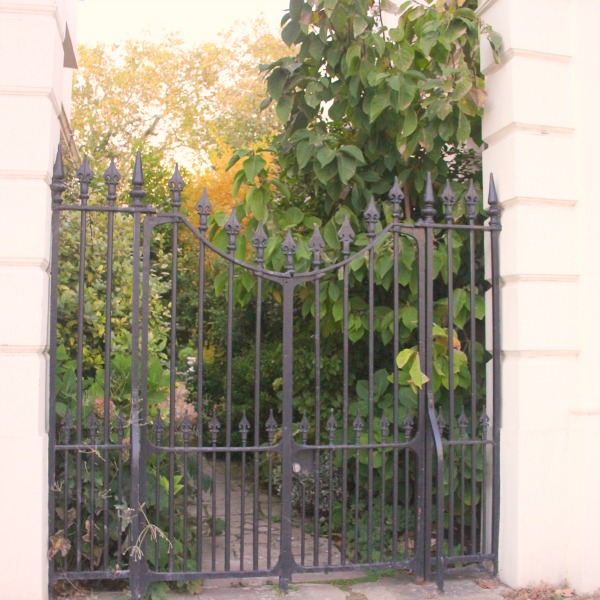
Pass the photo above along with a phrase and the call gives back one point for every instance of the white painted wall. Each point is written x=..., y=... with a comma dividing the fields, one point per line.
x=32, y=88
x=542, y=127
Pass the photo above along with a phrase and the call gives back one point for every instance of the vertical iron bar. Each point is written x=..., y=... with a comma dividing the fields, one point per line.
x=58, y=187
x=382, y=508
x=330, y=506
x=346, y=375
x=92, y=514
x=270, y=506
x=473, y=366
x=214, y=511
x=157, y=511
x=316, y=525
x=429, y=400
x=452, y=408
x=396, y=197
x=243, y=504
x=356, y=496
x=371, y=385
x=422, y=504
x=112, y=178
x=232, y=229
x=406, y=503
x=395, y=391
x=136, y=566
x=79, y=391
x=185, y=501
x=260, y=242
x=120, y=497
x=257, y=373
x=286, y=558
x=203, y=208
x=484, y=483
x=495, y=215
x=135, y=451
x=462, y=498
x=172, y=386
x=107, y=378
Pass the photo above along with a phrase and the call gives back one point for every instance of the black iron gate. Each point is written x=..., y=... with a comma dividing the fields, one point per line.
x=366, y=442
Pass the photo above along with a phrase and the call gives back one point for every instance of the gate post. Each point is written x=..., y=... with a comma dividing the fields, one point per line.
x=286, y=558
x=137, y=558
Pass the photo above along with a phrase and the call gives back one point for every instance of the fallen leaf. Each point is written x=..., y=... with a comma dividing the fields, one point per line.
x=58, y=543
x=565, y=593
x=487, y=584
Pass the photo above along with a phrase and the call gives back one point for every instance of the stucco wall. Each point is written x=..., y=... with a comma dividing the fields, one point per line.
x=542, y=128
x=32, y=89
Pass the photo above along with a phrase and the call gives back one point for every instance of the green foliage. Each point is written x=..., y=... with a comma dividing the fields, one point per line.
x=361, y=103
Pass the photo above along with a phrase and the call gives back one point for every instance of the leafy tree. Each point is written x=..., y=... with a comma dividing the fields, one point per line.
x=361, y=103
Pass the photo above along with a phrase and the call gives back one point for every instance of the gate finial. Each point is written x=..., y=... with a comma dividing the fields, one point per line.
x=316, y=244
x=203, y=208
x=494, y=207
x=85, y=176
x=58, y=185
x=346, y=236
x=396, y=197
x=232, y=228
x=176, y=185
x=371, y=216
x=288, y=248
x=137, y=181
x=259, y=241
x=471, y=200
x=448, y=200
x=112, y=178
x=428, y=201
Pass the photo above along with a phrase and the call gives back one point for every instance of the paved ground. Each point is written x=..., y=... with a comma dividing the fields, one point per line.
x=364, y=588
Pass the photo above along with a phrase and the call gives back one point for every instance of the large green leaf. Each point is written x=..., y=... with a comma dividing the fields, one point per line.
x=346, y=167
x=378, y=104
x=253, y=165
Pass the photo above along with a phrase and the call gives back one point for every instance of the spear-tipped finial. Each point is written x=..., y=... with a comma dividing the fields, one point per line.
x=232, y=228
x=288, y=247
x=371, y=216
x=85, y=176
x=112, y=178
x=304, y=427
x=203, y=208
x=176, y=185
x=448, y=200
x=186, y=427
x=396, y=197
x=244, y=428
x=58, y=185
x=271, y=426
x=259, y=241
x=137, y=181
x=494, y=206
x=316, y=244
x=428, y=201
x=471, y=200
x=346, y=236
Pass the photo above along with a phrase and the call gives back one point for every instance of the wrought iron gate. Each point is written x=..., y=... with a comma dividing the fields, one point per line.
x=340, y=450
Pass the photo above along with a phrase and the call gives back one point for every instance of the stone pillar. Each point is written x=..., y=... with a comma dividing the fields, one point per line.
x=32, y=78
x=542, y=128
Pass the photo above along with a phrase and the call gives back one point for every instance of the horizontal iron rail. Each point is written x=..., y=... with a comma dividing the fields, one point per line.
x=248, y=449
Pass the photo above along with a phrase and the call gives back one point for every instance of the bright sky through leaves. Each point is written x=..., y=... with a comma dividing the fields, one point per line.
x=195, y=20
